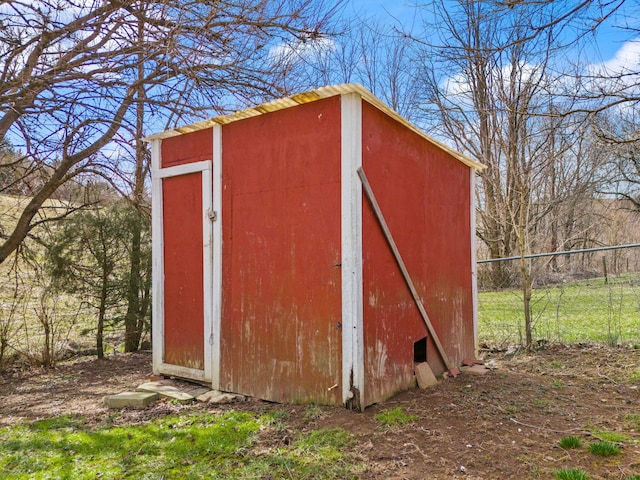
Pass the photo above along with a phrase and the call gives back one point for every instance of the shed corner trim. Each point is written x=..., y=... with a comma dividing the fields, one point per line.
x=352, y=274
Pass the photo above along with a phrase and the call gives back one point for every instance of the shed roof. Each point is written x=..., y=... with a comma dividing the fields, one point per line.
x=312, y=96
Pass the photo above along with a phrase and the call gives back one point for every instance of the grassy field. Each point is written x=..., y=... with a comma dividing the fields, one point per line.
x=580, y=311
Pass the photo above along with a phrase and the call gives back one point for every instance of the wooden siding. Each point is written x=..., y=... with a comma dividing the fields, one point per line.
x=188, y=148
x=424, y=195
x=281, y=330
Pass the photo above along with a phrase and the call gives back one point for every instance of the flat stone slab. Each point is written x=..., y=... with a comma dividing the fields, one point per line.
x=131, y=399
x=424, y=375
x=179, y=391
x=216, y=396
x=477, y=370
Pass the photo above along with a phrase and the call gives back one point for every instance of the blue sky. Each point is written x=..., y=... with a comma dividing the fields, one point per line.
x=610, y=40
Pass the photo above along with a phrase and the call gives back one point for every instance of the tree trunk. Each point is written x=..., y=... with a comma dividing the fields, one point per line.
x=134, y=321
x=132, y=317
x=526, y=301
x=47, y=355
x=145, y=302
x=101, y=314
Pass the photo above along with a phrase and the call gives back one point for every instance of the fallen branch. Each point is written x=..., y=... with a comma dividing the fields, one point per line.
x=571, y=430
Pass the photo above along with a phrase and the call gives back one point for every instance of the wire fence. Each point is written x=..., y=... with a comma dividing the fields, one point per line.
x=590, y=295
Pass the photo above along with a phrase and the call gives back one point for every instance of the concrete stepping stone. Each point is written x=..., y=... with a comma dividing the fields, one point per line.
x=172, y=390
x=131, y=399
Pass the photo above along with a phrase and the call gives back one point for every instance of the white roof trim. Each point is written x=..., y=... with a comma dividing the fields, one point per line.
x=312, y=96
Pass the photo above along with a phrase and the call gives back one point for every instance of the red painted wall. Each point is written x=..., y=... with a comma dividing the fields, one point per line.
x=183, y=262
x=187, y=148
x=281, y=337
x=424, y=195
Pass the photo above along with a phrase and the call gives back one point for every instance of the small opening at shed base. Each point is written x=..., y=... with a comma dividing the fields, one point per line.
x=420, y=350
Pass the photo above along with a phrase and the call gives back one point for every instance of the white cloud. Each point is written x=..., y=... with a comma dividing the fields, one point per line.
x=618, y=77
x=458, y=85
x=301, y=49
x=626, y=60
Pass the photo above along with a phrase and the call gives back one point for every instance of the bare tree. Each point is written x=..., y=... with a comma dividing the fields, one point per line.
x=618, y=131
x=70, y=75
x=367, y=51
x=139, y=274
x=491, y=80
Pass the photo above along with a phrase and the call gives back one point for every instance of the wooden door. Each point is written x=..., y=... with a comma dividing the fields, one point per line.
x=183, y=270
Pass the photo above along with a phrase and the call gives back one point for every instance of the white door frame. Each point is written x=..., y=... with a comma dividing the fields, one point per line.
x=157, y=227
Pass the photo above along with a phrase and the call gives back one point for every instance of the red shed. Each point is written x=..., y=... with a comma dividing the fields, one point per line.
x=310, y=249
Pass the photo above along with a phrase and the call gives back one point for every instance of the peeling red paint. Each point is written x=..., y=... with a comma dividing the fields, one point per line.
x=424, y=194
x=281, y=250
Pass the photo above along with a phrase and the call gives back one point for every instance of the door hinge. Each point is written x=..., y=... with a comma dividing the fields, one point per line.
x=211, y=339
x=213, y=215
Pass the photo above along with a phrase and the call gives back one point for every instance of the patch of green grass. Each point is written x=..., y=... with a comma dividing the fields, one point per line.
x=190, y=446
x=571, y=474
x=327, y=444
x=634, y=377
x=633, y=420
x=316, y=455
x=175, y=445
x=63, y=422
x=604, y=449
x=275, y=417
x=613, y=437
x=569, y=442
x=538, y=402
x=557, y=383
x=612, y=339
x=393, y=417
x=511, y=409
x=312, y=412
x=632, y=477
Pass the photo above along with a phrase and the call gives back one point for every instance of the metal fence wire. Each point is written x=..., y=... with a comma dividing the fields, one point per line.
x=590, y=295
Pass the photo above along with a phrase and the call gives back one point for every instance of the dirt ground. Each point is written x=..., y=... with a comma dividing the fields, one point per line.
x=502, y=425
